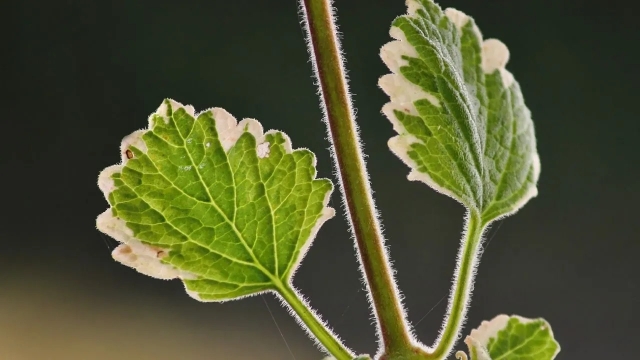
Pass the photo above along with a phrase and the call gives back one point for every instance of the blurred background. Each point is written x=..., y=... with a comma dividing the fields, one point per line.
x=84, y=74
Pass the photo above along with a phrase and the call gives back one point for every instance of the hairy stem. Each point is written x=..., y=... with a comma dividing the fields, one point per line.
x=313, y=324
x=354, y=181
x=464, y=277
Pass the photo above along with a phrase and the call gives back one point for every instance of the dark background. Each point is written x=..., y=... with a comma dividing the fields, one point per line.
x=84, y=74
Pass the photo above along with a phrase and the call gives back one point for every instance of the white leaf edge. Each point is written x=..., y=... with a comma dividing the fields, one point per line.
x=146, y=259
x=479, y=338
x=403, y=94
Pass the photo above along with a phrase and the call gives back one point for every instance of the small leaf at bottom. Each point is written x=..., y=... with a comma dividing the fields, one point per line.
x=512, y=338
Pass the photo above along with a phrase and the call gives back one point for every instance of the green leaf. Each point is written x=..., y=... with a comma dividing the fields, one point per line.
x=512, y=338
x=462, y=124
x=216, y=203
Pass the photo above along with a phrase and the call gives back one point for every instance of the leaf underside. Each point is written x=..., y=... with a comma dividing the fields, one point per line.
x=226, y=208
x=462, y=124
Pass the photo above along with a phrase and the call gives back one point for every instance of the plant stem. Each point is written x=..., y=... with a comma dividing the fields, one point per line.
x=314, y=324
x=325, y=50
x=464, y=277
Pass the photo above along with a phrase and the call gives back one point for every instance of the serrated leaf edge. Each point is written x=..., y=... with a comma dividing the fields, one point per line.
x=146, y=259
x=479, y=338
x=403, y=93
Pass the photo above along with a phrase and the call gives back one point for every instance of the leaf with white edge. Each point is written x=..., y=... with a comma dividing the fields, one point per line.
x=229, y=210
x=512, y=338
x=462, y=124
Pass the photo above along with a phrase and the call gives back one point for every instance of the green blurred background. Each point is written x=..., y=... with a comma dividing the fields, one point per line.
x=83, y=74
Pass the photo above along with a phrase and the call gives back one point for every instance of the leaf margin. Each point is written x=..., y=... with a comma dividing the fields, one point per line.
x=148, y=259
x=404, y=95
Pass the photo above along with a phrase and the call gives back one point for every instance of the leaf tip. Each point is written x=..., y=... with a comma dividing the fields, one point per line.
x=167, y=108
x=457, y=17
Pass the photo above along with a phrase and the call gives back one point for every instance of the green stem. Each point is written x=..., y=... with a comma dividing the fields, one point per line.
x=324, y=46
x=314, y=324
x=464, y=277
